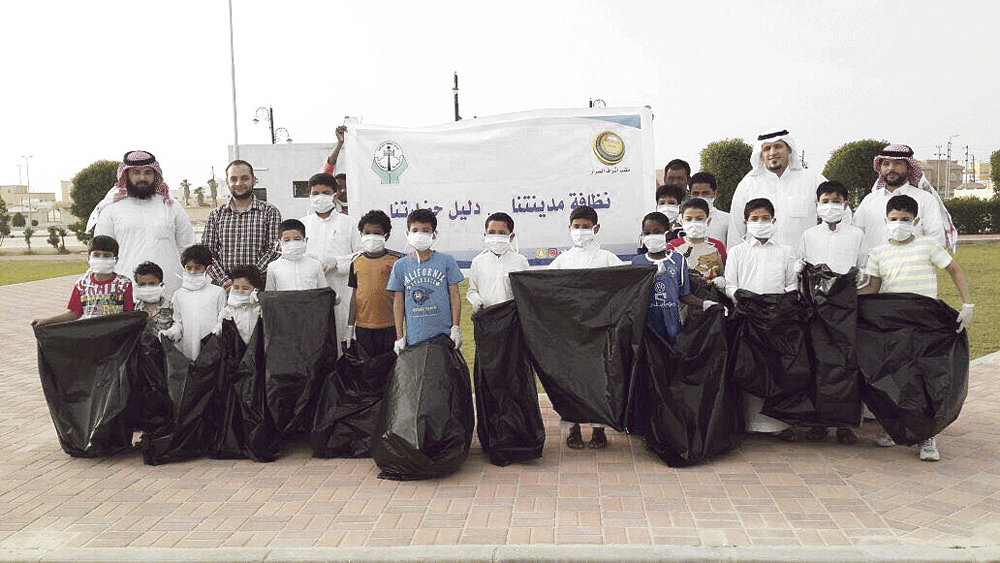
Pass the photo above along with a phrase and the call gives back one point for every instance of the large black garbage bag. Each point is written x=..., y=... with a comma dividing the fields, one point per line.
x=84, y=368
x=245, y=429
x=914, y=366
x=583, y=329
x=425, y=427
x=695, y=410
x=350, y=402
x=300, y=344
x=834, y=398
x=509, y=421
x=769, y=349
x=149, y=399
x=193, y=391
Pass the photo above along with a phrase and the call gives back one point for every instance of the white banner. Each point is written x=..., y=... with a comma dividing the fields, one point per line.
x=536, y=166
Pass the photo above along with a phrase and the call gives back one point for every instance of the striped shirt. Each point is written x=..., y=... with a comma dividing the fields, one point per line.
x=241, y=239
x=908, y=268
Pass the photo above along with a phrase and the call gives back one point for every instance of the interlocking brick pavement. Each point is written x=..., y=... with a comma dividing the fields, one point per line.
x=766, y=493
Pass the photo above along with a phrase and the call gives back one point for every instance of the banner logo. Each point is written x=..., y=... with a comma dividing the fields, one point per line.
x=389, y=162
x=609, y=148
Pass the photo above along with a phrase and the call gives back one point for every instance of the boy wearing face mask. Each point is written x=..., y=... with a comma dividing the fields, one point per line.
x=425, y=287
x=704, y=255
x=834, y=242
x=489, y=275
x=148, y=291
x=905, y=264
x=763, y=266
x=242, y=306
x=100, y=291
x=370, y=320
x=197, y=303
x=668, y=202
x=294, y=270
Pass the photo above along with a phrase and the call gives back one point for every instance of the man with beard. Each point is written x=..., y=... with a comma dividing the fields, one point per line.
x=148, y=224
x=779, y=176
x=244, y=232
x=900, y=174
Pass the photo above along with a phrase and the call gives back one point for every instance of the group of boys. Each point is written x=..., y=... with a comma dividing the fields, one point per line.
x=402, y=300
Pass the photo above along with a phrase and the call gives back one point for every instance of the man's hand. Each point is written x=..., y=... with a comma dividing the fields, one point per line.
x=964, y=316
x=227, y=285
x=719, y=282
x=398, y=346
x=350, y=333
x=800, y=265
x=476, y=301
x=456, y=336
x=340, y=134
x=707, y=303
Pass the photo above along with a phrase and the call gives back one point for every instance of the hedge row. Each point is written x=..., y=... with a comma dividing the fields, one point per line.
x=974, y=216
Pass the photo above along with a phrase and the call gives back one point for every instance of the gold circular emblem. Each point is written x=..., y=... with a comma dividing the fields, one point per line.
x=609, y=148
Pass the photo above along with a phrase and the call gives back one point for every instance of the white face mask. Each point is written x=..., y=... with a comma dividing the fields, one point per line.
x=101, y=265
x=498, y=244
x=293, y=249
x=420, y=240
x=372, y=243
x=760, y=229
x=670, y=210
x=193, y=282
x=581, y=237
x=695, y=229
x=708, y=199
x=899, y=230
x=655, y=243
x=830, y=212
x=148, y=293
x=321, y=203
x=237, y=298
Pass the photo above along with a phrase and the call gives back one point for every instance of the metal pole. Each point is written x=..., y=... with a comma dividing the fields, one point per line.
x=457, y=117
x=270, y=122
x=232, y=62
x=27, y=174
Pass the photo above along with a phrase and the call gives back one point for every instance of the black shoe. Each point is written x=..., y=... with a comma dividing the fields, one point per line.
x=816, y=433
x=575, y=440
x=846, y=436
x=598, y=440
x=788, y=435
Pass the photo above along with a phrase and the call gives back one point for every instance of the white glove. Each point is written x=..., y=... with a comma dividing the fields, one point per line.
x=476, y=301
x=719, y=282
x=350, y=333
x=731, y=293
x=456, y=336
x=171, y=333
x=861, y=280
x=800, y=265
x=706, y=304
x=964, y=316
x=399, y=345
x=218, y=329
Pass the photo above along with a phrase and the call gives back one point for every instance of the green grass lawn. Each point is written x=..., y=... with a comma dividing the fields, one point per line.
x=17, y=271
x=982, y=268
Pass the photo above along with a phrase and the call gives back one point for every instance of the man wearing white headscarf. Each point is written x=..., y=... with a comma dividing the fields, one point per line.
x=900, y=174
x=779, y=176
x=148, y=224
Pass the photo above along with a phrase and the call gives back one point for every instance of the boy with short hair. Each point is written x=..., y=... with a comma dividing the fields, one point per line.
x=905, y=264
x=370, y=319
x=836, y=243
x=489, y=275
x=148, y=290
x=100, y=291
x=197, y=303
x=761, y=265
x=705, y=256
x=704, y=186
x=242, y=305
x=583, y=227
x=294, y=270
x=418, y=282
x=668, y=202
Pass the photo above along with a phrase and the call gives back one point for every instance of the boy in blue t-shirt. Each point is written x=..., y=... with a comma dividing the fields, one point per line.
x=425, y=287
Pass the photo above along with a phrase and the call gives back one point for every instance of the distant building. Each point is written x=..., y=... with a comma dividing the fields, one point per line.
x=936, y=170
x=982, y=172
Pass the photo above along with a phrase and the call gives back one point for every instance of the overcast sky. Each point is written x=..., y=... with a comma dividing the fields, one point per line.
x=84, y=81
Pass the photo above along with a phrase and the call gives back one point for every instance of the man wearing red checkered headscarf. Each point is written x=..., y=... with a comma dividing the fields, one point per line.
x=900, y=174
x=148, y=224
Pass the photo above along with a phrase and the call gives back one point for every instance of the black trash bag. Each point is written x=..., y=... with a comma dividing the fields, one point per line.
x=835, y=396
x=583, y=329
x=85, y=369
x=424, y=429
x=350, y=402
x=508, y=418
x=193, y=387
x=300, y=345
x=149, y=399
x=769, y=351
x=914, y=366
x=245, y=429
x=695, y=410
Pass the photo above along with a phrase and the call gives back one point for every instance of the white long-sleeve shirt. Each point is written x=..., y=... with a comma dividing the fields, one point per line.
x=291, y=275
x=760, y=268
x=195, y=316
x=870, y=216
x=793, y=195
x=588, y=256
x=334, y=241
x=840, y=249
x=489, y=279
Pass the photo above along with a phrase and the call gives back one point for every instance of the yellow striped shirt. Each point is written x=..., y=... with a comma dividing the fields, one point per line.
x=908, y=268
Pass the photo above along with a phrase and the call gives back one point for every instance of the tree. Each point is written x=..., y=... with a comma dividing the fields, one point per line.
x=186, y=186
x=18, y=220
x=729, y=162
x=851, y=165
x=995, y=172
x=27, y=237
x=213, y=185
x=90, y=186
x=4, y=221
x=57, y=238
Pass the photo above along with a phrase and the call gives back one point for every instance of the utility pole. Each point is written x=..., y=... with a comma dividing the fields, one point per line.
x=947, y=169
x=966, y=171
x=232, y=64
x=455, y=90
x=27, y=173
x=804, y=164
x=937, y=167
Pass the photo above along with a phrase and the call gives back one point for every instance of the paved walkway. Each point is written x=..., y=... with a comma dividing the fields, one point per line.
x=855, y=502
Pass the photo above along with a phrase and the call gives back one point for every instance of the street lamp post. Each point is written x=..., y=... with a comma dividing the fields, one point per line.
x=27, y=174
x=267, y=113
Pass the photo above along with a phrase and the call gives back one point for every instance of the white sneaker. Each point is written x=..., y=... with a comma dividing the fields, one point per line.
x=884, y=440
x=928, y=450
